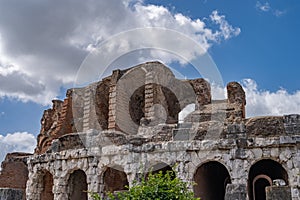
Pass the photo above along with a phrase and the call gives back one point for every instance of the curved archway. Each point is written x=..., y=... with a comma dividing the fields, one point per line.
x=47, y=186
x=211, y=179
x=114, y=180
x=261, y=175
x=77, y=186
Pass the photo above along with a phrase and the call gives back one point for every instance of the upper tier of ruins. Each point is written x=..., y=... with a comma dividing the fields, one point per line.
x=104, y=136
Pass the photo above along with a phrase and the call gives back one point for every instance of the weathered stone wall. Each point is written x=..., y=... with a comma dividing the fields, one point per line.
x=188, y=155
x=14, y=173
x=115, y=130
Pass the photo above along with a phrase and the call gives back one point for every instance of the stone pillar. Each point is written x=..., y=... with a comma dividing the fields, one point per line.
x=235, y=192
x=87, y=108
x=93, y=179
x=113, y=100
x=112, y=107
x=236, y=95
x=60, y=189
x=202, y=90
x=278, y=193
x=149, y=96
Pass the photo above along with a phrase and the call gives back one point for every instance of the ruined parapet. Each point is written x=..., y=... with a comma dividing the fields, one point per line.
x=144, y=101
x=49, y=125
x=66, y=121
x=236, y=95
x=14, y=173
x=60, y=120
x=202, y=90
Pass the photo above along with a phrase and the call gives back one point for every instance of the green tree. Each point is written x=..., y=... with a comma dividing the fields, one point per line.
x=159, y=186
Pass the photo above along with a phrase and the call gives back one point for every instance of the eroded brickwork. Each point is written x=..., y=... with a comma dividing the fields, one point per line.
x=14, y=171
x=114, y=131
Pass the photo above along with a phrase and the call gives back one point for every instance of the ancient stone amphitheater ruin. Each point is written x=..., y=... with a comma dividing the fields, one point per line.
x=104, y=136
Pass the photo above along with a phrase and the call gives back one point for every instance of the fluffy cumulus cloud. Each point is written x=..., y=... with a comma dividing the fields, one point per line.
x=263, y=102
x=16, y=142
x=43, y=43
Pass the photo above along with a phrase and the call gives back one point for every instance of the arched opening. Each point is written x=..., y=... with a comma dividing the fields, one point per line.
x=77, y=186
x=166, y=98
x=161, y=96
x=137, y=104
x=261, y=175
x=114, y=180
x=211, y=179
x=47, y=184
x=160, y=167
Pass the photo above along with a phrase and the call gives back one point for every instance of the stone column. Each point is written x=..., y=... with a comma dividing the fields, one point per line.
x=278, y=193
x=149, y=96
x=60, y=188
x=236, y=192
x=237, y=189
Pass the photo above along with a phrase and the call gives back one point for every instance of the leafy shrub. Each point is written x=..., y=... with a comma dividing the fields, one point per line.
x=159, y=186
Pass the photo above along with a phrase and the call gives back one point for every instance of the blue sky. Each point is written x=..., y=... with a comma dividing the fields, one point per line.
x=43, y=44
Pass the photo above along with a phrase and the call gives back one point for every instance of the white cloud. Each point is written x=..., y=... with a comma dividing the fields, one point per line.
x=279, y=13
x=43, y=44
x=265, y=7
x=226, y=30
x=16, y=142
x=262, y=102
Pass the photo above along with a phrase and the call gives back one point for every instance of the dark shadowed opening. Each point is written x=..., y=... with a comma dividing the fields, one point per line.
x=137, y=104
x=211, y=179
x=47, y=193
x=261, y=175
x=114, y=180
x=259, y=188
x=77, y=186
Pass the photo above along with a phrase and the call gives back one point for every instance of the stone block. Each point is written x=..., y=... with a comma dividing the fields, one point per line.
x=235, y=192
x=278, y=193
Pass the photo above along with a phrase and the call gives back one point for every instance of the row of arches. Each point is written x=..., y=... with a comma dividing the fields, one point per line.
x=211, y=179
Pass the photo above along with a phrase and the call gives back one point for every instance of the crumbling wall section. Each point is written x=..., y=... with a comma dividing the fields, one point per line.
x=14, y=173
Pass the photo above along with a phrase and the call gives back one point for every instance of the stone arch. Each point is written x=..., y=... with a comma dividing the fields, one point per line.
x=77, y=185
x=261, y=175
x=164, y=96
x=46, y=185
x=211, y=179
x=114, y=179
